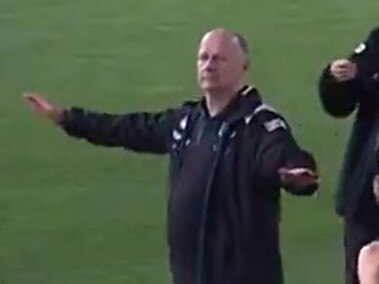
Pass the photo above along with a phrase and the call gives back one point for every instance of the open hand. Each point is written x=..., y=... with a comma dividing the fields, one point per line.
x=40, y=105
x=298, y=177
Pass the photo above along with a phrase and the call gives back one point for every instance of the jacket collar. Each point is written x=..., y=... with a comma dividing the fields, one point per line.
x=242, y=105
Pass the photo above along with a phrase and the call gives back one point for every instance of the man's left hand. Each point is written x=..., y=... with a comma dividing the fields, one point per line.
x=298, y=177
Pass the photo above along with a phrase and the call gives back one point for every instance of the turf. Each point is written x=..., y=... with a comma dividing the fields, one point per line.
x=74, y=213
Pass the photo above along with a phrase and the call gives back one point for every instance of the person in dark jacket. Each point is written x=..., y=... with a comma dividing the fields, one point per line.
x=229, y=156
x=347, y=85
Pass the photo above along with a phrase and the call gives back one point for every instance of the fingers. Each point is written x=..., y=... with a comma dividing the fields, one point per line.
x=299, y=177
x=343, y=70
x=309, y=180
x=35, y=99
x=39, y=105
x=297, y=172
x=32, y=100
x=39, y=102
x=42, y=107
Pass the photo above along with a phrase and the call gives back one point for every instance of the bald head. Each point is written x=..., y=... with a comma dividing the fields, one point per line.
x=222, y=61
x=234, y=38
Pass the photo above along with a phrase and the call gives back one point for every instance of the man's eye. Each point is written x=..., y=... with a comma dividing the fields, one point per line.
x=203, y=57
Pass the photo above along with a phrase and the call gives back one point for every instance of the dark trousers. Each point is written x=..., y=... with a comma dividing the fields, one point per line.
x=358, y=232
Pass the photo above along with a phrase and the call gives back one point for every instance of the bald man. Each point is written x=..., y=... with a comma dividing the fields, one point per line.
x=230, y=154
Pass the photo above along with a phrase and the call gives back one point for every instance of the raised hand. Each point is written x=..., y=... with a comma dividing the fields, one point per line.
x=343, y=70
x=41, y=106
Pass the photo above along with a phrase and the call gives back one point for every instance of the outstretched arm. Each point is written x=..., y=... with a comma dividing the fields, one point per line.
x=144, y=132
x=283, y=162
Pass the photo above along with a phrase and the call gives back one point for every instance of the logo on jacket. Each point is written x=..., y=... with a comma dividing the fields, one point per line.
x=360, y=48
x=376, y=76
x=275, y=124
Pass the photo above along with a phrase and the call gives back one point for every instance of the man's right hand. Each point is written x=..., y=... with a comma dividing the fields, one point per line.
x=41, y=106
x=343, y=70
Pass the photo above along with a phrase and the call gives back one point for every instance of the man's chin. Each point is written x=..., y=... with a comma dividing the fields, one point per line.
x=211, y=88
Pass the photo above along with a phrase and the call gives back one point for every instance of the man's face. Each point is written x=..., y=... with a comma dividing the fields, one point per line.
x=221, y=63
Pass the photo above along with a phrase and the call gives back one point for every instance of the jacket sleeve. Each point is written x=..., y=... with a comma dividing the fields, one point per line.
x=142, y=132
x=279, y=149
x=339, y=99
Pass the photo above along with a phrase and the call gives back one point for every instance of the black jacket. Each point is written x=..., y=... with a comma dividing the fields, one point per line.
x=354, y=196
x=223, y=210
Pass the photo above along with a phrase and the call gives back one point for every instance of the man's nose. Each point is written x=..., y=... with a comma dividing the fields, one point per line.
x=209, y=65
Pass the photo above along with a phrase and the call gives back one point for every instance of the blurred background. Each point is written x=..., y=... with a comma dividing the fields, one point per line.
x=74, y=213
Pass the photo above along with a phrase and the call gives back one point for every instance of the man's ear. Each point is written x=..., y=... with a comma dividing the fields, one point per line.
x=246, y=66
x=376, y=183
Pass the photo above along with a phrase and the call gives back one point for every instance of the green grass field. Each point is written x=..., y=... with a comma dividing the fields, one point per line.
x=74, y=213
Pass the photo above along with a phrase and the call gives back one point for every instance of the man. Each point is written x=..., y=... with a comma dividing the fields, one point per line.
x=346, y=85
x=368, y=264
x=368, y=259
x=229, y=156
